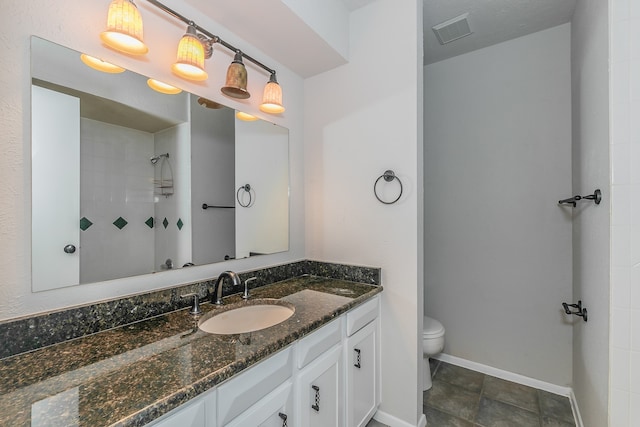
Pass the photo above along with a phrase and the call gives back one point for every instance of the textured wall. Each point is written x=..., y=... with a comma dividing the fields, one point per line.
x=360, y=120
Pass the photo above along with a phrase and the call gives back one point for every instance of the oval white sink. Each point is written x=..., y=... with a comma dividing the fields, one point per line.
x=246, y=318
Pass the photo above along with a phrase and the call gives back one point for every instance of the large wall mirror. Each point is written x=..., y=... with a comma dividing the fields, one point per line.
x=121, y=176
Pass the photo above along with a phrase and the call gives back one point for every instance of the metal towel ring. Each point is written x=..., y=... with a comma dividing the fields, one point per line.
x=388, y=176
x=247, y=189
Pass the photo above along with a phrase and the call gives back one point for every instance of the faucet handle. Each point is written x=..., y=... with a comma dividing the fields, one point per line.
x=195, y=309
x=246, y=287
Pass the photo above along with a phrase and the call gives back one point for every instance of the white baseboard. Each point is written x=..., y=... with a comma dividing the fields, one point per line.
x=576, y=411
x=516, y=378
x=505, y=375
x=392, y=421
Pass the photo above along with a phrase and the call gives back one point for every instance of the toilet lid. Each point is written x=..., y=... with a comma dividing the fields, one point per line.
x=432, y=328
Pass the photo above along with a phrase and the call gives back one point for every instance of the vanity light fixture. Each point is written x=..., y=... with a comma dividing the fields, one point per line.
x=100, y=65
x=272, y=97
x=236, y=83
x=245, y=117
x=163, y=87
x=124, y=28
x=191, y=55
x=124, y=33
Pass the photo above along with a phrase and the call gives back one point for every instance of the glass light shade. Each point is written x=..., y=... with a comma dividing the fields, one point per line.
x=100, y=65
x=245, y=117
x=124, y=28
x=272, y=97
x=190, y=62
x=162, y=87
x=236, y=83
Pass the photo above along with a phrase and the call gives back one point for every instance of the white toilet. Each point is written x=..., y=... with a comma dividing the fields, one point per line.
x=432, y=344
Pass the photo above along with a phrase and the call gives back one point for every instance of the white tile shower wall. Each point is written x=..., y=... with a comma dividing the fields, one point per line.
x=624, y=397
x=173, y=240
x=107, y=195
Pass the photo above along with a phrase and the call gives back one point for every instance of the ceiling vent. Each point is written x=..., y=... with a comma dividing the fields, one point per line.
x=453, y=29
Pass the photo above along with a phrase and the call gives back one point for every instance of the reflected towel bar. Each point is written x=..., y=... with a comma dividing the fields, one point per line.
x=240, y=197
x=206, y=206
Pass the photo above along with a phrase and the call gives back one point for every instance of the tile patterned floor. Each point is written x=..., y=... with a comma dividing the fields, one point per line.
x=464, y=398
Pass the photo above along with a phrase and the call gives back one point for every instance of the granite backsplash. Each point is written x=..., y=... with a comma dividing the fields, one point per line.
x=33, y=332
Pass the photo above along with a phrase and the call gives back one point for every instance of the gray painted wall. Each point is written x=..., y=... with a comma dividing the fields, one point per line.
x=590, y=153
x=213, y=182
x=497, y=247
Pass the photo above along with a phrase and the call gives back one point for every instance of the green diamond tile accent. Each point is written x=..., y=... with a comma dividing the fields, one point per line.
x=85, y=223
x=165, y=223
x=149, y=222
x=120, y=222
x=180, y=224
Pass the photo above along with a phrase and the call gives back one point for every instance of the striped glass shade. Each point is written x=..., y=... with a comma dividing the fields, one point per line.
x=124, y=28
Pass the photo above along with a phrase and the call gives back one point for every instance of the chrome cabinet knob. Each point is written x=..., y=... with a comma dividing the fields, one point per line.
x=69, y=249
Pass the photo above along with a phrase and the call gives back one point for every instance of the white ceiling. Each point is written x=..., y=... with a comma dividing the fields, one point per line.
x=271, y=26
x=492, y=21
x=275, y=29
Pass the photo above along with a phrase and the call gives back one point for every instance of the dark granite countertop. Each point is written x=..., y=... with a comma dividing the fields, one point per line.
x=131, y=375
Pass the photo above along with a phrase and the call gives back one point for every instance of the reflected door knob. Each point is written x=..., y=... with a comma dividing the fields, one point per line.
x=69, y=249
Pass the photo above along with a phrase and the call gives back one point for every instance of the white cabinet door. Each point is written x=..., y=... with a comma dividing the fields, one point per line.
x=319, y=391
x=55, y=189
x=273, y=410
x=362, y=367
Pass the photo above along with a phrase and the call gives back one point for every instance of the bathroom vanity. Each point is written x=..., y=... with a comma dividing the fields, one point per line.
x=320, y=367
x=303, y=384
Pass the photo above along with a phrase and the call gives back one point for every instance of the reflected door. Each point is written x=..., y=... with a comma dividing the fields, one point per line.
x=55, y=187
x=262, y=213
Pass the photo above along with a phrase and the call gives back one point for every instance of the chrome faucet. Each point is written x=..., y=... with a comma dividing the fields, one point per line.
x=216, y=296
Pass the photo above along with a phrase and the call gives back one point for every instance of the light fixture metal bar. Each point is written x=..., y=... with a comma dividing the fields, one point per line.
x=213, y=37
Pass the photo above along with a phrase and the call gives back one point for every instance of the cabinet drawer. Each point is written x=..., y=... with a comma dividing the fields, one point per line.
x=360, y=316
x=272, y=410
x=235, y=396
x=319, y=342
x=192, y=414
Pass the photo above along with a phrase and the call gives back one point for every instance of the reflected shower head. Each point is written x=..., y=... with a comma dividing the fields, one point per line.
x=155, y=159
